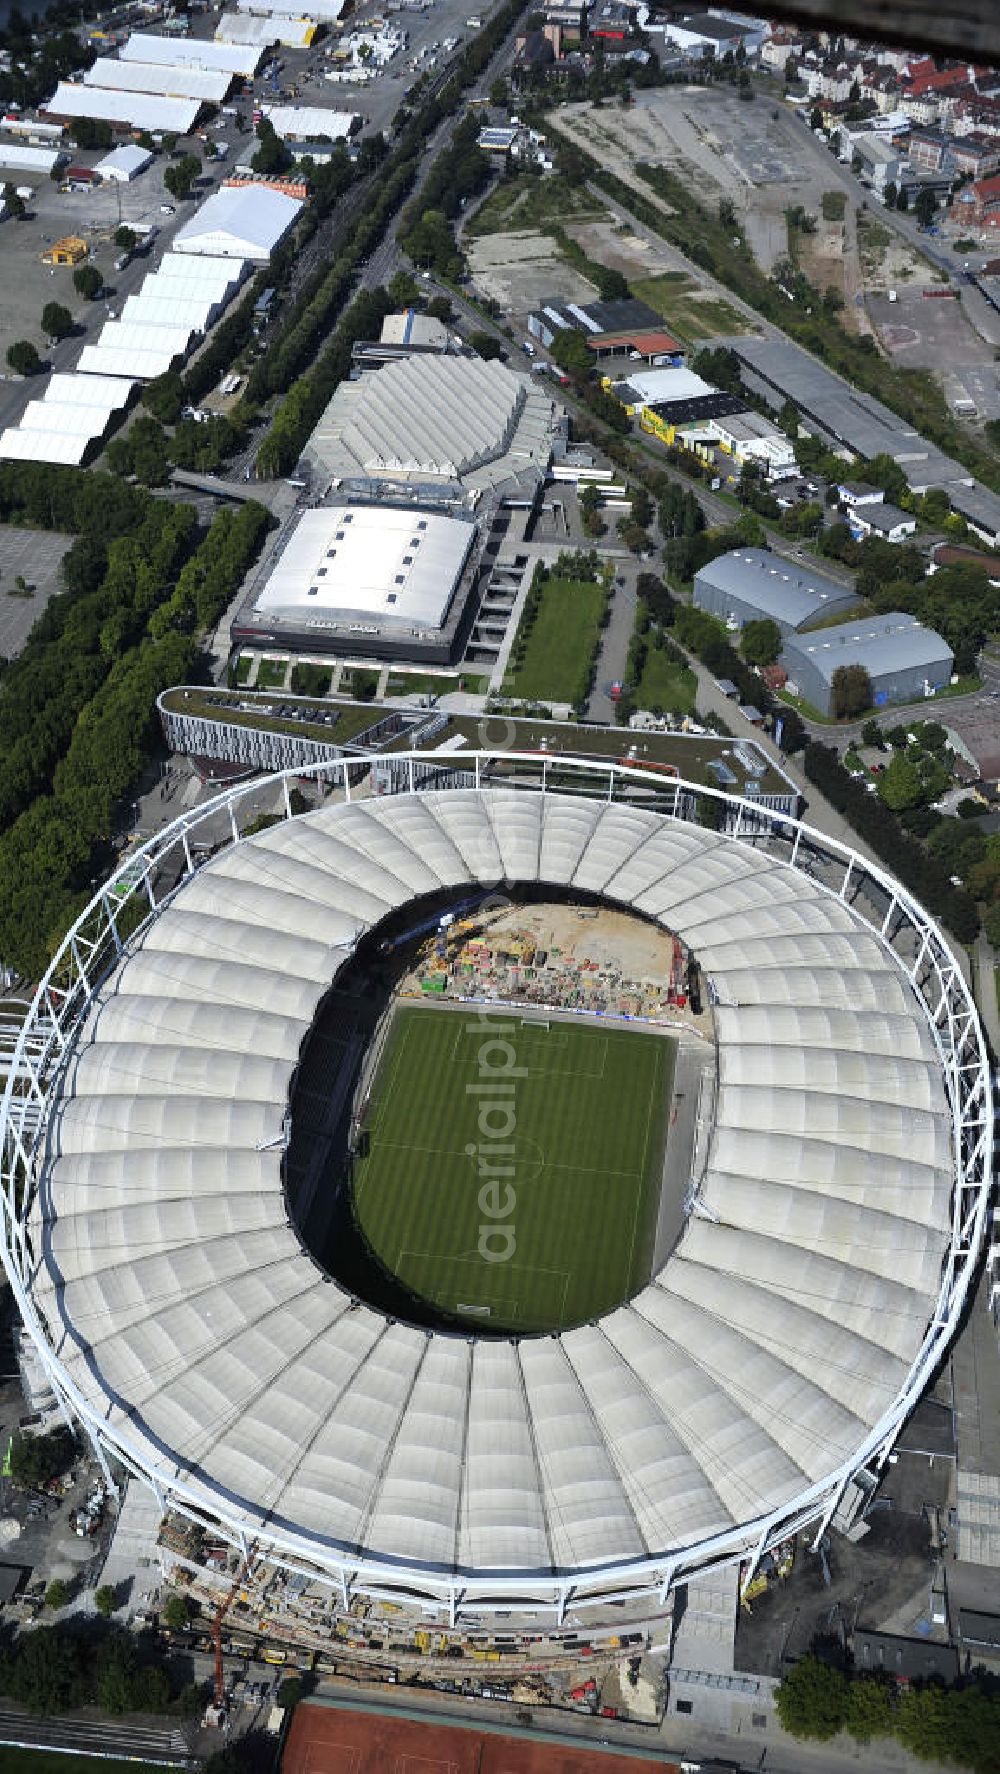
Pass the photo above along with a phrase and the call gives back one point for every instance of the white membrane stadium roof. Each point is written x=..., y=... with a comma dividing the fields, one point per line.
x=239, y=222
x=755, y=1363
x=369, y=563
x=176, y=81
x=191, y=52
x=137, y=110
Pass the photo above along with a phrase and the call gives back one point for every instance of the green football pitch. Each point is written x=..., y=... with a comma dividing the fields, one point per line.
x=511, y=1172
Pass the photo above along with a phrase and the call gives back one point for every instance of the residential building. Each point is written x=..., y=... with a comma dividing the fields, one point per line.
x=975, y=155
x=978, y=205
x=904, y=660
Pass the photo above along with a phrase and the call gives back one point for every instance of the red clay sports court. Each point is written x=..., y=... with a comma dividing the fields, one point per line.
x=329, y=1740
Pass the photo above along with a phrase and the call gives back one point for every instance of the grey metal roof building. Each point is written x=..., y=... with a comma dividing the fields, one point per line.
x=750, y=583
x=776, y=1351
x=903, y=659
x=453, y=419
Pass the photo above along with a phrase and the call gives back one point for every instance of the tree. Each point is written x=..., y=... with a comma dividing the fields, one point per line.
x=902, y=200
x=57, y=321
x=812, y=1699
x=23, y=359
x=105, y=1600
x=272, y=157
x=176, y=1613
x=164, y=397
x=47, y=1674
x=88, y=282
x=991, y=925
x=871, y=733
x=925, y=207
x=815, y=118
x=439, y=308
x=14, y=206
x=891, y=194
x=901, y=785
x=403, y=289
x=571, y=352
x=590, y=510
x=486, y=345
x=290, y=1691
x=850, y=692
x=871, y=1708
x=126, y=239
x=760, y=642
x=37, y=1459
x=179, y=178
x=58, y=1594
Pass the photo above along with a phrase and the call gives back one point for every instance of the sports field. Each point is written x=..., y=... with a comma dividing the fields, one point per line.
x=511, y=1171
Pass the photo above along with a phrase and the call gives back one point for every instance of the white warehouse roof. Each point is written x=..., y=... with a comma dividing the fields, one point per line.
x=191, y=52
x=176, y=81
x=215, y=276
x=309, y=123
x=72, y=412
x=652, y=386
x=147, y=309
x=120, y=360
x=239, y=222
x=135, y=110
x=22, y=158
x=88, y=391
x=124, y=163
x=754, y=1365
x=327, y=11
x=21, y=445
x=276, y=27
x=369, y=563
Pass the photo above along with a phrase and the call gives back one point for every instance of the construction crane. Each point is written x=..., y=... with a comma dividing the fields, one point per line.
x=220, y=1615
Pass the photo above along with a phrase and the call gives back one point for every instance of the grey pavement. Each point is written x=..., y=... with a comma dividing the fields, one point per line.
x=986, y=992
x=614, y=647
x=35, y=556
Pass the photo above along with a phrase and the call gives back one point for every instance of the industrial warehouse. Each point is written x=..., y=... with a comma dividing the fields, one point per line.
x=825, y=1228
x=385, y=579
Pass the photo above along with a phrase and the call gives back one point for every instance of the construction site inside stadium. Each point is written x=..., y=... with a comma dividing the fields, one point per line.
x=506, y=1188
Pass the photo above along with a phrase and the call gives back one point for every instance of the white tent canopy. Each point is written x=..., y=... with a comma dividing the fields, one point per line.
x=239, y=222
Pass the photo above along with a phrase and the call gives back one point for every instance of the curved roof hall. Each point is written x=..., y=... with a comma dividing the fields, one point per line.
x=757, y=1360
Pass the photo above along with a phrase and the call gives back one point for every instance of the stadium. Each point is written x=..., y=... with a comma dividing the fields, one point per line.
x=492, y=1441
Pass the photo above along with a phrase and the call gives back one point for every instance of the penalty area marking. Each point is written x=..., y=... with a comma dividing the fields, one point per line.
x=483, y=1299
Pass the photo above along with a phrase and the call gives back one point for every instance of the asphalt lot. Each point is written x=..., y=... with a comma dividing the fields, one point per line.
x=35, y=556
x=932, y=332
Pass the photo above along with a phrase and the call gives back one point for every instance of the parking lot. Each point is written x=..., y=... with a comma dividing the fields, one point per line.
x=34, y=556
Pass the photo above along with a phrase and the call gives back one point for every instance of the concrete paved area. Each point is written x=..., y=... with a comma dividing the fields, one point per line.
x=36, y=556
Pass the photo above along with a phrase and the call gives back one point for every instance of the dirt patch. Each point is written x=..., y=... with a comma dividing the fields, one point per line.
x=521, y=270
x=333, y=1740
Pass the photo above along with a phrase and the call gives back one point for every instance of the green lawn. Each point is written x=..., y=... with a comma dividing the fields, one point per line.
x=587, y=1120
x=560, y=640
x=271, y=674
x=244, y=666
x=834, y=205
x=675, y=297
x=665, y=685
